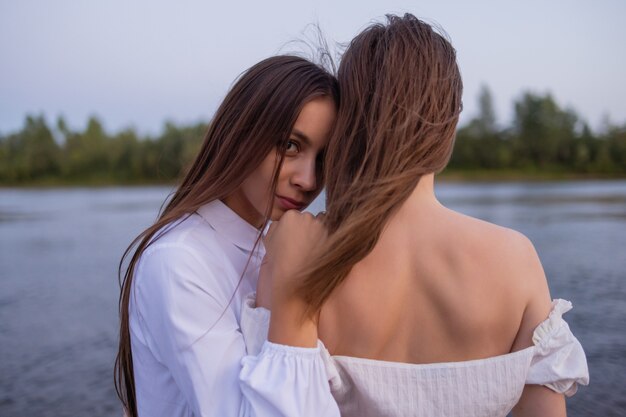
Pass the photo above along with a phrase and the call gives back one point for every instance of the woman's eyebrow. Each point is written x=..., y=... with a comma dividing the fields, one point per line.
x=304, y=138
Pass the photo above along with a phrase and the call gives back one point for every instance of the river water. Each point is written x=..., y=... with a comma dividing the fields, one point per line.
x=59, y=250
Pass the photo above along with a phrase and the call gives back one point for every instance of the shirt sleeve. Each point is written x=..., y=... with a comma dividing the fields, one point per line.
x=287, y=381
x=191, y=330
x=559, y=361
x=272, y=372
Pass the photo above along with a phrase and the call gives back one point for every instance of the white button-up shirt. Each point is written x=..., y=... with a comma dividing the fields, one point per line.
x=185, y=321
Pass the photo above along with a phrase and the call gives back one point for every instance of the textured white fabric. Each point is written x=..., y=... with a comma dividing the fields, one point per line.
x=255, y=324
x=287, y=381
x=479, y=388
x=185, y=318
x=558, y=361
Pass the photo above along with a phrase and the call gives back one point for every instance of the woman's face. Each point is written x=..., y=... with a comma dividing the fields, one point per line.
x=299, y=178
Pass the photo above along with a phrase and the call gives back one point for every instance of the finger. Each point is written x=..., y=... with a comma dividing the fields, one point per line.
x=321, y=216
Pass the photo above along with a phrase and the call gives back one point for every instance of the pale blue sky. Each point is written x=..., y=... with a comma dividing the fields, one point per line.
x=139, y=63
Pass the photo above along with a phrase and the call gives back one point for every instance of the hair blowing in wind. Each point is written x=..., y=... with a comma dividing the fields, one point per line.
x=400, y=103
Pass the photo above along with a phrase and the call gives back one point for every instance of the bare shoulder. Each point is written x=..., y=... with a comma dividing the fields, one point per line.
x=505, y=256
x=513, y=261
x=498, y=242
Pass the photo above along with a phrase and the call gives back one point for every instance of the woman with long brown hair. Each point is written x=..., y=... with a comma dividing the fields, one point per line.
x=423, y=311
x=181, y=346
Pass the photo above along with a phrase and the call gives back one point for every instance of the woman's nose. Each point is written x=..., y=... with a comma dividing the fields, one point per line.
x=305, y=176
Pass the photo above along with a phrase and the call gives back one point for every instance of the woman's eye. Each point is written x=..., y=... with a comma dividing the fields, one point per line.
x=293, y=147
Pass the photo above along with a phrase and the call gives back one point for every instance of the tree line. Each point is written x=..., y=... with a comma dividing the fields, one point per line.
x=542, y=139
x=42, y=154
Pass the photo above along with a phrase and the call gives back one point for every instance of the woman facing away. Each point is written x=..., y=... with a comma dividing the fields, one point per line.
x=423, y=311
x=181, y=346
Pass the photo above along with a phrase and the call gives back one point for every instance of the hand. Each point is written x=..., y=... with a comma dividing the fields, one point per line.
x=291, y=245
x=291, y=227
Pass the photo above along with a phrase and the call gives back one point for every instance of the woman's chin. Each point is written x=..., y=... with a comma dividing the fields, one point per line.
x=278, y=212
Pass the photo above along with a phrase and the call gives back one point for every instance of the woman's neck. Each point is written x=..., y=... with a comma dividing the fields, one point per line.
x=424, y=192
x=244, y=209
x=422, y=200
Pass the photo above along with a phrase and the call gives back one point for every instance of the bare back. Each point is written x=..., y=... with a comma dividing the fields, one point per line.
x=438, y=287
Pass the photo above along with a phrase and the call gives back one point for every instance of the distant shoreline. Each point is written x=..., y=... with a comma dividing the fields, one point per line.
x=446, y=176
x=520, y=176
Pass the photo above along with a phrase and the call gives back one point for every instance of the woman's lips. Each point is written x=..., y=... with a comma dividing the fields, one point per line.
x=289, y=204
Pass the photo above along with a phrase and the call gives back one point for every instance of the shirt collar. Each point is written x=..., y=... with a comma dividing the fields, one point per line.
x=230, y=226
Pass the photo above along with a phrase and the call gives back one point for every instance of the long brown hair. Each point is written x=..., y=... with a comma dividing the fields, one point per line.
x=400, y=103
x=255, y=118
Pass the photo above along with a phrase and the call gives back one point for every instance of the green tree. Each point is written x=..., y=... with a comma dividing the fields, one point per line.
x=616, y=143
x=86, y=153
x=31, y=153
x=125, y=155
x=480, y=144
x=4, y=159
x=542, y=131
x=582, y=149
x=485, y=123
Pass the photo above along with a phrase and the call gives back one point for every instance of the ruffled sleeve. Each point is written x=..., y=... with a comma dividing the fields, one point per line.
x=559, y=361
x=255, y=323
x=279, y=380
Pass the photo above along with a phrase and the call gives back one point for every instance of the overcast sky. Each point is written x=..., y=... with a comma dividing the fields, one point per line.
x=141, y=62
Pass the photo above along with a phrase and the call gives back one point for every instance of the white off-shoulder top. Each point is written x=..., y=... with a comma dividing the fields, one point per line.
x=488, y=387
